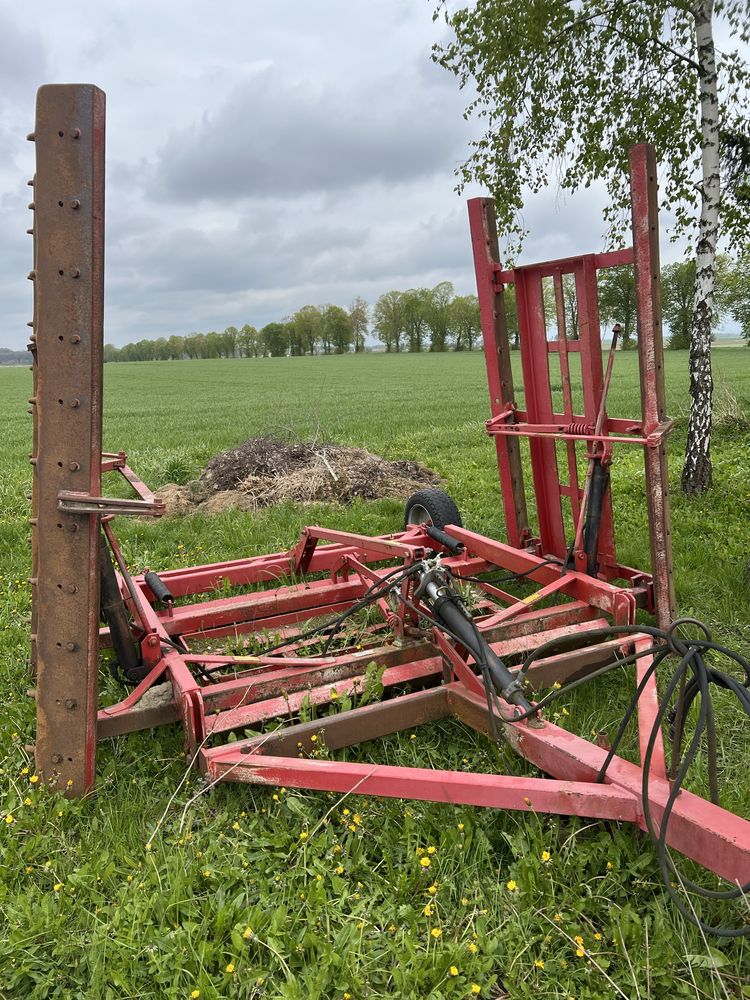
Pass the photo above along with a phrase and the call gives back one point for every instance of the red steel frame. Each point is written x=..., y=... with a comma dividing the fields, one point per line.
x=425, y=676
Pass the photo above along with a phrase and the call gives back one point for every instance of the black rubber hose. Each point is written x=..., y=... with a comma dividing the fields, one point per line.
x=597, y=493
x=443, y=538
x=115, y=614
x=158, y=588
x=447, y=610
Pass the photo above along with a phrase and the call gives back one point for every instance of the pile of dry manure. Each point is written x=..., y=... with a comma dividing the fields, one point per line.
x=264, y=471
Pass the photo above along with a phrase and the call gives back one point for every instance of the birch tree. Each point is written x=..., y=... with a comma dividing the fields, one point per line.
x=563, y=88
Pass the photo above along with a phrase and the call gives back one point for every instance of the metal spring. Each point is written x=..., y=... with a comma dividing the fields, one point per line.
x=580, y=428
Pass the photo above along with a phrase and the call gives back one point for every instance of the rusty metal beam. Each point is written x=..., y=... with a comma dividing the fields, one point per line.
x=68, y=280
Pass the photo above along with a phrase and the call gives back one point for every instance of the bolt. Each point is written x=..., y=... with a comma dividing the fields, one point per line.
x=57, y=758
x=72, y=589
x=75, y=403
x=75, y=273
x=76, y=133
x=30, y=232
x=31, y=275
x=31, y=206
x=75, y=204
x=76, y=339
x=152, y=640
x=30, y=183
x=70, y=703
x=33, y=520
x=33, y=580
x=71, y=646
x=74, y=466
x=33, y=461
x=32, y=400
x=31, y=137
x=30, y=323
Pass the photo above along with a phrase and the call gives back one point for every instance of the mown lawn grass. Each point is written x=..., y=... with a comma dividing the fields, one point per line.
x=249, y=892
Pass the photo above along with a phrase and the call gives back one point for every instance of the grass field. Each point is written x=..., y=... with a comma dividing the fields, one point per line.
x=246, y=892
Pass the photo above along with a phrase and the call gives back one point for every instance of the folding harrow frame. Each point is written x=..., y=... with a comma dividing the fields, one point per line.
x=426, y=675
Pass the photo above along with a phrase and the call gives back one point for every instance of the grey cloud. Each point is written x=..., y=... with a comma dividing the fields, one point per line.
x=274, y=135
x=23, y=57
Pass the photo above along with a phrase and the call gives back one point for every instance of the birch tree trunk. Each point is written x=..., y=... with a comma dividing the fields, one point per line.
x=696, y=474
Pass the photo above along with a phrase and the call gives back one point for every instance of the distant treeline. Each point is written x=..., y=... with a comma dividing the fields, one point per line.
x=415, y=320
x=436, y=319
x=8, y=357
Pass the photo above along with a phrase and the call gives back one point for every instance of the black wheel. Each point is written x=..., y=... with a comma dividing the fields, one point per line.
x=433, y=507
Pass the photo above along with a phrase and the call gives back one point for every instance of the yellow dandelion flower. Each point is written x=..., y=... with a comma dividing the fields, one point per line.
x=453, y=970
x=195, y=994
x=340, y=870
x=472, y=948
x=207, y=874
x=344, y=812
x=235, y=825
x=539, y=963
x=433, y=889
x=334, y=694
x=565, y=711
x=578, y=939
x=436, y=932
x=511, y=885
x=303, y=835
x=69, y=783
x=352, y=827
x=424, y=862
x=413, y=736
x=58, y=886
x=10, y=818
x=464, y=901
x=431, y=850
x=24, y=770
x=476, y=989
x=230, y=968
x=313, y=738
x=557, y=917
x=610, y=866
x=347, y=996
x=427, y=910
x=420, y=852
x=557, y=685
x=27, y=801
x=33, y=779
x=356, y=818
x=580, y=952
x=275, y=797
x=546, y=856
x=247, y=933
x=597, y=936
x=460, y=827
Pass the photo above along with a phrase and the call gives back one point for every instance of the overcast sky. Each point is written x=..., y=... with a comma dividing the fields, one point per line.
x=260, y=156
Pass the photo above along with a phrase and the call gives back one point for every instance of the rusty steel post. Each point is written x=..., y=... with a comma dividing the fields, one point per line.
x=643, y=188
x=486, y=251
x=68, y=280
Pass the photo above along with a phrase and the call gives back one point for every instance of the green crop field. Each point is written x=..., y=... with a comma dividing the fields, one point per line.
x=151, y=889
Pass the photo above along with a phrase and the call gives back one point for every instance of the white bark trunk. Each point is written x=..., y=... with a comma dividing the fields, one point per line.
x=696, y=474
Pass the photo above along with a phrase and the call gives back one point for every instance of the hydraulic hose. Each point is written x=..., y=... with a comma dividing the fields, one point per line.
x=448, y=608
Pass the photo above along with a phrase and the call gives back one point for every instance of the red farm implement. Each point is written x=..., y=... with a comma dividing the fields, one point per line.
x=437, y=658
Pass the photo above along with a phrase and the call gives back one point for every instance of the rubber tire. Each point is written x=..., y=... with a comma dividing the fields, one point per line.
x=439, y=505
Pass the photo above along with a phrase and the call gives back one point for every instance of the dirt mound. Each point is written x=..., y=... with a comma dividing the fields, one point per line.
x=264, y=471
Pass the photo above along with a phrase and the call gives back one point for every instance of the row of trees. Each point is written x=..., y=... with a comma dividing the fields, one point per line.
x=402, y=321
x=436, y=319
